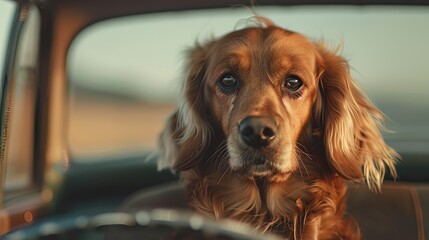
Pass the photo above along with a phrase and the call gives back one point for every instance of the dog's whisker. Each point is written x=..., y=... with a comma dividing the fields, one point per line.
x=223, y=161
x=300, y=164
x=220, y=148
x=225, y=170
x=298, y=151
x=303, y=150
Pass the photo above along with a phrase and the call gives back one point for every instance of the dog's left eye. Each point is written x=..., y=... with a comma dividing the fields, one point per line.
x=228, y=83
x=292, y=83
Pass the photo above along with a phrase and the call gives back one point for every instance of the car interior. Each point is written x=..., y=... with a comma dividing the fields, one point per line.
x=68, y=168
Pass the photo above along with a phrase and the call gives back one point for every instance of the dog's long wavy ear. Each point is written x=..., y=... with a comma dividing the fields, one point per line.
x=183, y=140
x=350, y=124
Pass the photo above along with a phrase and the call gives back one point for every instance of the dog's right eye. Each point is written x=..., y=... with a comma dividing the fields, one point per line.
x=228, y=83
x=292, y=83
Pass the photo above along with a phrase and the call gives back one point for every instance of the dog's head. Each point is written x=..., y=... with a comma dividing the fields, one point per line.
x=256, y=96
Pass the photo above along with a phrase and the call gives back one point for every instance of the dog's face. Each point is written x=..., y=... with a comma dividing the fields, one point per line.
x=260, y=87
x=253, y=98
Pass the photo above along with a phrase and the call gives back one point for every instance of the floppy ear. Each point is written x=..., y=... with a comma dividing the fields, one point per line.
x=351, y=125
x=182, y=142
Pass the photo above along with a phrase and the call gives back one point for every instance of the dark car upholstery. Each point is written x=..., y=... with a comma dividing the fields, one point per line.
x=396, y=212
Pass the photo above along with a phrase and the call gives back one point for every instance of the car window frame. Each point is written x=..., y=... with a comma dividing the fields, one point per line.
x=21, y=206
x=9, y=60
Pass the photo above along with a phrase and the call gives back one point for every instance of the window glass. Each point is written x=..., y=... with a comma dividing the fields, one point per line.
x=7, y=10
x=124, y=73
x=22, y=106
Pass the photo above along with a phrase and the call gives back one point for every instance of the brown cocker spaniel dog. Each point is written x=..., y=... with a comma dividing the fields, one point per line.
x=269, y=129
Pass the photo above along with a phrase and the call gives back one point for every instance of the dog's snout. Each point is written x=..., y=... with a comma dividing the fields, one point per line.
x=257, y=132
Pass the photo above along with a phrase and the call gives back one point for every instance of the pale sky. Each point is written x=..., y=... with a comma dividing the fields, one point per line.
x=143, y=55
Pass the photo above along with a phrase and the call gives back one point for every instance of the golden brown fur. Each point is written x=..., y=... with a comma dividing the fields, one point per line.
x=325, y=134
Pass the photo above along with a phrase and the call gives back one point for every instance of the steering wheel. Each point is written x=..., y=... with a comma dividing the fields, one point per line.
x=165, y=224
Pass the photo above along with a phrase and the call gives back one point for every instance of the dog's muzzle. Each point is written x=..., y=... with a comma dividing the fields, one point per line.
x=258, y=133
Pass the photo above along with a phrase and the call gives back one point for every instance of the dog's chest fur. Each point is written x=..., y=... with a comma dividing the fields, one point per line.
x=284, y=207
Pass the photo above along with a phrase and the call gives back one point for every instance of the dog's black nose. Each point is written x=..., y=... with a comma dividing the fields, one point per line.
x=257, y=132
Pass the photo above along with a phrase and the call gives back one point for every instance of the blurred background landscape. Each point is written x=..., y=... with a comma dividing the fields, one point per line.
x=125, y=73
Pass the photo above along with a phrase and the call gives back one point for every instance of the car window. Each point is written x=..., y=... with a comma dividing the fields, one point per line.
x=19, y=171
x=7, y=11
x=125, y=73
